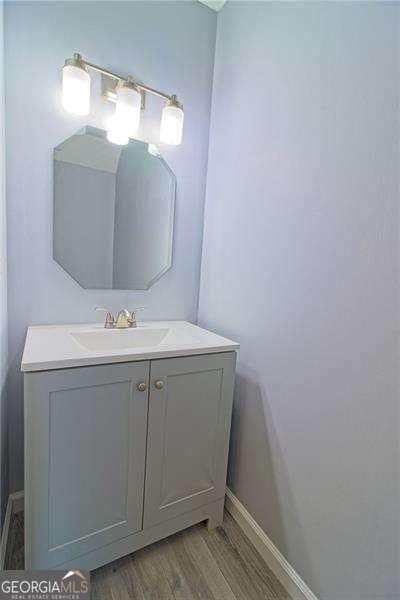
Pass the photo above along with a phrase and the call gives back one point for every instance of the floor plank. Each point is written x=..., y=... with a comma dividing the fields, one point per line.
x=195, y=564
x=241, y=565
x=198, y=583
x=204, y=561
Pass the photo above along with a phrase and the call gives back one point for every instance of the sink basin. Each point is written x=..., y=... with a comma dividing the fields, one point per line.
x=119, y=339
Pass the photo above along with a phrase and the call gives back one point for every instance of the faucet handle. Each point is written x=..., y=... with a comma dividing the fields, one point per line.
x=110, y=321
x=133, y=315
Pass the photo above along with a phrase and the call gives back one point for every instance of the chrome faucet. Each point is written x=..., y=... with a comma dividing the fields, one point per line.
x=123, y=320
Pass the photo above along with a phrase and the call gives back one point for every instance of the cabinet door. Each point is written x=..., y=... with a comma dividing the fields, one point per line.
x=85, y=437
x=188, y=433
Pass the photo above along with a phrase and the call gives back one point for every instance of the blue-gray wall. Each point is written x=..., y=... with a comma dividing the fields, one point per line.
x=300, y=265
x=169, y=45
x=3, y=289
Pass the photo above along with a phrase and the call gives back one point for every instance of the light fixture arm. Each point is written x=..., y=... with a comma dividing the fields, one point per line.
x=129, y=79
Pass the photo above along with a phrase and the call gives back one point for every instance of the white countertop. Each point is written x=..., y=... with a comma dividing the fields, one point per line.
x=55, y=347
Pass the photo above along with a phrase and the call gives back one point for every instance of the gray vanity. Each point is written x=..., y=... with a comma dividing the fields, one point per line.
x=126, y=438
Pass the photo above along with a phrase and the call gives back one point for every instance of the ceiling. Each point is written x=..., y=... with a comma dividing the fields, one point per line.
x=214, y=4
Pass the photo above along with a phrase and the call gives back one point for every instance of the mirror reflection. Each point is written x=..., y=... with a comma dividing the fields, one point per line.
x=113, y=212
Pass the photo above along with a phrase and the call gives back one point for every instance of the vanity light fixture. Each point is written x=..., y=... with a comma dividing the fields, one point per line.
x=126, y=93
x=172, y=122
x=76, y=86
x=125, y=121
x=127, y=110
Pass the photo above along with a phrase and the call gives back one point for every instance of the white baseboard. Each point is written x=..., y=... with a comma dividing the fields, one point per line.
x=278, y=564
x=15, y=504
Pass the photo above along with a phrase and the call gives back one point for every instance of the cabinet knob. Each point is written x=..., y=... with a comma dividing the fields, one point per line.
x=159, y=384
x=142, y=387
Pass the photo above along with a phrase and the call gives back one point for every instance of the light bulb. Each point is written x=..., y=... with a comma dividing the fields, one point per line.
x=172, y=123
x=76, y=86
x=128, y=106
x=116, y=131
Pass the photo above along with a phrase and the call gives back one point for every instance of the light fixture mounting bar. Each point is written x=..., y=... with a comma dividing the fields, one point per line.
x=108, y=73
x=109, y=89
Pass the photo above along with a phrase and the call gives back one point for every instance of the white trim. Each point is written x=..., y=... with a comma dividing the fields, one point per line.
x=15, y=504
x=278, y=564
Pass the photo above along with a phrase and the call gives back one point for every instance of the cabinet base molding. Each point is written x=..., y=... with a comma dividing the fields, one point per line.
x=275, y=560
x=212, y=513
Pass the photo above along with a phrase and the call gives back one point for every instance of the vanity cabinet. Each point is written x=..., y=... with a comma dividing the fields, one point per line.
x=120, y=455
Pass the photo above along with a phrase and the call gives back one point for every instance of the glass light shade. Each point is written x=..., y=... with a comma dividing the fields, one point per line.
x=116, y=131
x=171, y=125
x=128, y=107
x=76, y=90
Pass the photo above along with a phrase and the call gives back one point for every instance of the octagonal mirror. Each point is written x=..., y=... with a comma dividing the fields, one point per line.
x=113, y=212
